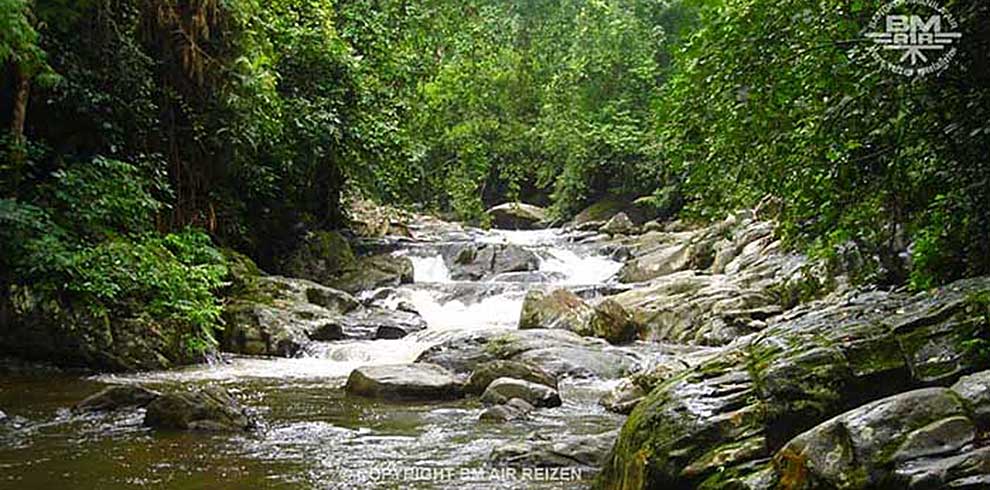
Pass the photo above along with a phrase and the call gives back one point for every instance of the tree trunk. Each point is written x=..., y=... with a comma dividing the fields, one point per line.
x=22, y=92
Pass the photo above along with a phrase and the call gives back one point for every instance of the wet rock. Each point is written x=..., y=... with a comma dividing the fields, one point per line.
x=517, y=216
x=504, y=389
x=209, y=410
x=863, y=448
x=565, y=310
x=623, y=398
x=544, y=451
x=117, y=397
x=286, y=314
x=637, y=210
x=321, y=257
x=374, y=272
x=558, y=352
x=513, y=409
x=975, y=389
x=371, y=323
x=475, y=263
x=488, y=372
x=620, y=224
x=421, y=381
x=279, y=318
x=724, y=418
x=3, y=417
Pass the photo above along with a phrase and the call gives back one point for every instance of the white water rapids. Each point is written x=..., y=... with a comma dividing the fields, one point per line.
x=496, y=305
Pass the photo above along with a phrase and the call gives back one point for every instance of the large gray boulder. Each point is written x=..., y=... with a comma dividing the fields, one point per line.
x=472, y=262
x=488, y=372
x=208, y=410
x=558, y=352
x=117, y=397
x=717, y=423
x=565, y=310
x=620, y=224
x=517, y=216
x=422, y=381
x=502, y=390
x=374, y=272
x=884, y=442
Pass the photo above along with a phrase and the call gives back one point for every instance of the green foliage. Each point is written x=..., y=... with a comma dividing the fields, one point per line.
x=87, y=243
x=783, y=99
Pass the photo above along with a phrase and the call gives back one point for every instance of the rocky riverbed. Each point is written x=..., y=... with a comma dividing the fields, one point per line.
x=609, y=353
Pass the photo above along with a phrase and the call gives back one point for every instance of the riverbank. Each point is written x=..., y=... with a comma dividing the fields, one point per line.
x=526, y=350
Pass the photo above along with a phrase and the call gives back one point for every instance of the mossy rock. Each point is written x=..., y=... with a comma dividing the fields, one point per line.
x=322, y=257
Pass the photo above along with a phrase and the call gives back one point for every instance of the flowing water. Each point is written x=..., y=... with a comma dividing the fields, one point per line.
x=313, y=435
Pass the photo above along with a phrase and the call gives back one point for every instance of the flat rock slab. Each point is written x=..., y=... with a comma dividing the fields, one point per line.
x=117, y=397
x=421, y=382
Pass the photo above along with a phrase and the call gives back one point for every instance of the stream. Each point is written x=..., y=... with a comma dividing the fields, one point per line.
x=313, y=435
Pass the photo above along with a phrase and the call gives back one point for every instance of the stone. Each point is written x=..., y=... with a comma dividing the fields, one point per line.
x=504, y=389
x=975, y=389
x=485, y=262
x=557, y=352
x=623, y=397
x=859, y=448
x=117, y=397
x=374, y=323
x=517, y=216
x=722, y=419
x=420, y=382
x=208, y=410
x=3, y=417
x=545, y=451
x=374, y=272
x=513, y=409
x=488, y=372
x=562, y=309
x=320, y=257
x=620, y=224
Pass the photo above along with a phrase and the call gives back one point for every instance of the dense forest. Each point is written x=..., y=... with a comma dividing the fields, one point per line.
x=148, y=139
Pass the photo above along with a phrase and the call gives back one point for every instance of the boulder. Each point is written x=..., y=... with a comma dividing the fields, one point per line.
x=717, y=423
x=476, y=263
x=370, y=323
x=286, y=314
x=3, y=417
x=504, y=389
x=488, y=372
x=545, y=451
x=209, y=409
x=320, y=257
x=623, y=397
x=374, y=272
x=562, y=309
x=117, y=397
x=866, y=447
x=279, y=318
x=602, y=210
x=517, y=216
x=422, y=381
x=620, y=224
x=513, y=409
x=558, y=352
